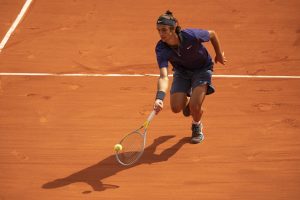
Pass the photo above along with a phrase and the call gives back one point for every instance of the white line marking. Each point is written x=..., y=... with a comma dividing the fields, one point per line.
x=255, y=76
x=139, y=75
x=15, y=24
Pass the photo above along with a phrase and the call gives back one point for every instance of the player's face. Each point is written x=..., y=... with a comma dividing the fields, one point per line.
x=165, y=32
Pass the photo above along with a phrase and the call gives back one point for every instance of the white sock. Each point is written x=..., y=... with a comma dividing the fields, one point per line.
x=197, y=123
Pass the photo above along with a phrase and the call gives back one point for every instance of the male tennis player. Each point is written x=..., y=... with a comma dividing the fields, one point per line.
x=192, y=69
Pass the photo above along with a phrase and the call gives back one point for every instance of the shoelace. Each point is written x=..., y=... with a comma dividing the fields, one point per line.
x=196, y=130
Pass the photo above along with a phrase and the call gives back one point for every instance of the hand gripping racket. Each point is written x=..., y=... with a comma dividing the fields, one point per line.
x=133, y=144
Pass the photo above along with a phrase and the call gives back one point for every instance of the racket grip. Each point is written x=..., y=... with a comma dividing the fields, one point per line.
x=152, y=114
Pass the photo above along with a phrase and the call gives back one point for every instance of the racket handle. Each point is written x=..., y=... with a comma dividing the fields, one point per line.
x=152, y=114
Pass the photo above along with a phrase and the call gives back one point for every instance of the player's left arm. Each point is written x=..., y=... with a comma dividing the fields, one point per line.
x=220, y=57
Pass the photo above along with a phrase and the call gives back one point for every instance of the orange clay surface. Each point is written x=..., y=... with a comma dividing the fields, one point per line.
x=57, y=133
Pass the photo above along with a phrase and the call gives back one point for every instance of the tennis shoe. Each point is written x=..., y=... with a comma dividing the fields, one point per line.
x=197, y=134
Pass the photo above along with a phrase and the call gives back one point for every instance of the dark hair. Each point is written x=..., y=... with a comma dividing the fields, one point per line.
x=168, y=19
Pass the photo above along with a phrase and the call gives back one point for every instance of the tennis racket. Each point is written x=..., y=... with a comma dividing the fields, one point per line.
x=133, y=144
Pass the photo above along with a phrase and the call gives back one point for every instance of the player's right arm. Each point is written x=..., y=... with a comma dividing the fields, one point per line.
x=162, y=87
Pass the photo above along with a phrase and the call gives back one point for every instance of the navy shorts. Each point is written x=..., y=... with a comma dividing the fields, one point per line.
x=185, y=81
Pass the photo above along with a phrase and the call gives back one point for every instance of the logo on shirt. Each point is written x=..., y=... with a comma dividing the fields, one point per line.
x=189, y=47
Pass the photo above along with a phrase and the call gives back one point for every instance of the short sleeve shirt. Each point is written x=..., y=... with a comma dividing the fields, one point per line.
x=190, y=55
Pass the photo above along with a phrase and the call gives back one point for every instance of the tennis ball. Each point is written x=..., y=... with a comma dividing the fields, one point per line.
x=118, y=147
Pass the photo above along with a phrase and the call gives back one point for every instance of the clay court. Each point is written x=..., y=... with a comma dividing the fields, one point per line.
x=61, y=110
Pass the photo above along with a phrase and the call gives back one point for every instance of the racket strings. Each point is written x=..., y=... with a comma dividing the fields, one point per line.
x=133, y=146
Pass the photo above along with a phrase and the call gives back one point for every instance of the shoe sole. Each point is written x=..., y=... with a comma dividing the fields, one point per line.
x=197, y=141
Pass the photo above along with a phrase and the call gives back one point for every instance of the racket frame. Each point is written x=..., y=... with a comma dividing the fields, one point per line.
x=142, y=135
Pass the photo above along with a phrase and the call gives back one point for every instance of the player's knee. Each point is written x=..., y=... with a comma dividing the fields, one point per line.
x=176, y=108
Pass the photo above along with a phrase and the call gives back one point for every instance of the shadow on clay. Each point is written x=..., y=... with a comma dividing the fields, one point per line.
x=107, y=167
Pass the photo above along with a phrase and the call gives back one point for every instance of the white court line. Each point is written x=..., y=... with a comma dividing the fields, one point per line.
x=256, y=76
x=15, y=24
x=139, y=75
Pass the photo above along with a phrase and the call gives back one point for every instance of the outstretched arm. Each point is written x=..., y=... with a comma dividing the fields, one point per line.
x=216, y=44
x=162, y=86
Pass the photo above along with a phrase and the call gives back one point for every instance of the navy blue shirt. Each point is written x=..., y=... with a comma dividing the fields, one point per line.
x=189, y=55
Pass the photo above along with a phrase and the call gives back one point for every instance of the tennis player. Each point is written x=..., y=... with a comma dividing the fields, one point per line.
x=192, y=69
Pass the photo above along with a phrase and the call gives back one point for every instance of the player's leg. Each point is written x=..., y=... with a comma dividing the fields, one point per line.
x=201, y=84
x=186, y=110
x=181, y=85
x=195, y=105
x=196, y=102
x=178, y=101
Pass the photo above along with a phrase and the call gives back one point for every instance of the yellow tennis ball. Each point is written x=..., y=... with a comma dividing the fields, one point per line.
x=118, y=147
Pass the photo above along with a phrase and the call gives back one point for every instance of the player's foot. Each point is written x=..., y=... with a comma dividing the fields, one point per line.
x=197, y=134
x=186, y=111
